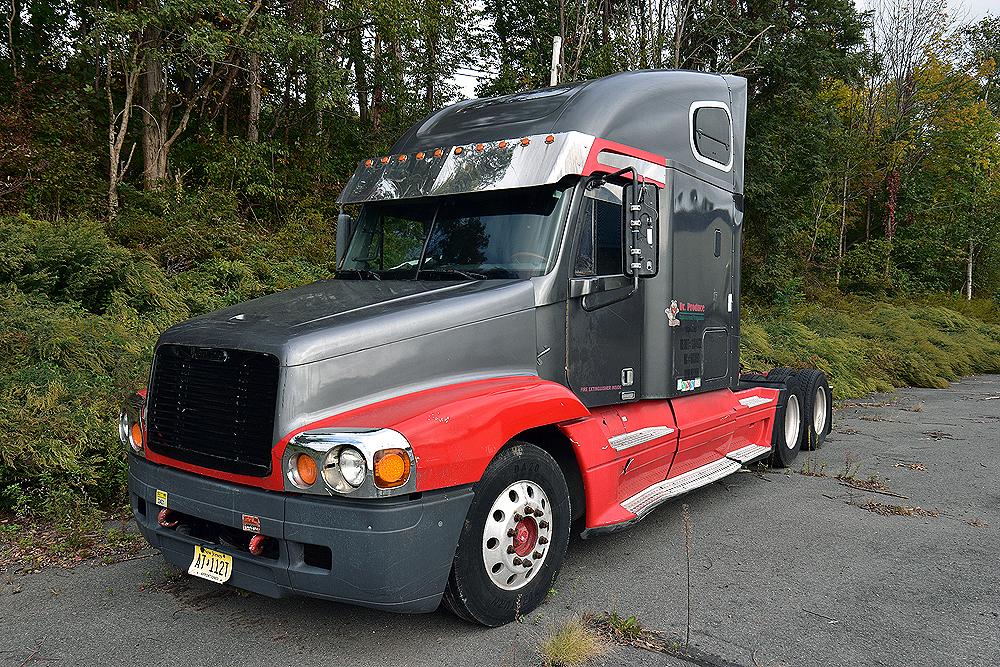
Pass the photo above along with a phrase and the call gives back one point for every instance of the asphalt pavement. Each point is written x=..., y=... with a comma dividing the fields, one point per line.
x=894, y=563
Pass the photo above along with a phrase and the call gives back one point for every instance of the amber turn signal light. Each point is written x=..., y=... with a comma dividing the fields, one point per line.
x=392, y=468
x=136, y=434
x=305, y=465
x=525, y=141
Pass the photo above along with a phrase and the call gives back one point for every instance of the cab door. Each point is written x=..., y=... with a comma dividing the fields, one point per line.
x=603, y=331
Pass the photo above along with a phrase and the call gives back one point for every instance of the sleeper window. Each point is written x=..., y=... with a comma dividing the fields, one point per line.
x=712, y=130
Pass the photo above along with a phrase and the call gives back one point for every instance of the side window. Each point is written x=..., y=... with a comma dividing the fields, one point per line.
x=600, y=247
x=712, y=136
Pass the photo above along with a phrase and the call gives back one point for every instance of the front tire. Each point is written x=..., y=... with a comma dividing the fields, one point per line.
x=514, y=539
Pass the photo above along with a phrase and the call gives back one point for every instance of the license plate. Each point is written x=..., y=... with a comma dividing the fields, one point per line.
x=212, y=565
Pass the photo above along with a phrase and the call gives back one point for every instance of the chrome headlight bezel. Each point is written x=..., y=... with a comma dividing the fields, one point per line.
x=132, y=412
x=325, y=446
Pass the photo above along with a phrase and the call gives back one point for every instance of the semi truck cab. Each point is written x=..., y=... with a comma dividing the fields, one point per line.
x=533, y=329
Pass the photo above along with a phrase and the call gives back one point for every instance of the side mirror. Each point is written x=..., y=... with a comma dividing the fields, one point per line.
x=642, y=235
x=345, y=227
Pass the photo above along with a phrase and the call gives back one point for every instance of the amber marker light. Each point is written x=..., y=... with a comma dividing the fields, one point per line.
x=438, y=152
x=402, y=158
x=458, y=150
x=479, y=148
x=136, y=433
x=549, y=139
x=385, y=160
x=369, y=163
x=305, y=465
x=392, y=468
x=525, y=141
x=420, y=156
x=502, y=144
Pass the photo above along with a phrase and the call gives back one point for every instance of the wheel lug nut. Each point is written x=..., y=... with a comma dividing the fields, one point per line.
x=543, y=525
x=510, y=549
x=510, y=532
x=543, y=540
x=537, y=554
x=527, y=563
x=517, y=517
x=517, y=561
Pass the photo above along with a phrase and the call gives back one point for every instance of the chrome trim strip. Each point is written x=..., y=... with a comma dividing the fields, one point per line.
x=644, y=501
x=626, y=440
x=754, y=401
x=650, y=497
x=748, y=453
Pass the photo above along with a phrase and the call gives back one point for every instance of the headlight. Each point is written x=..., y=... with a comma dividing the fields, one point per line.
x=367, y=463
x=131, y=428
x=352, y=466
x=344, y=469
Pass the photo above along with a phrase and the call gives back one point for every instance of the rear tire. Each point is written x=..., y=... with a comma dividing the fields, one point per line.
x=817, y=407
x=788, y=432
x=507, y=558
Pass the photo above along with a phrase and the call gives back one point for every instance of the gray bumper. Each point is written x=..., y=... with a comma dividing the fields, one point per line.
x=391, y=554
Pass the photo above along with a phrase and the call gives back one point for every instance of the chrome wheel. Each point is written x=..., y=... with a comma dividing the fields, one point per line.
x=793, y=421
x=819, y=411
x=517, y=534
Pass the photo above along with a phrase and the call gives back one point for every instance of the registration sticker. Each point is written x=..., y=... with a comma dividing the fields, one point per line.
x=251, y=523
x=161, y=497
x=211, y=564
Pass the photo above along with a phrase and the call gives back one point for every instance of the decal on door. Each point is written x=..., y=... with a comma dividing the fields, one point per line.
x=688, y=385
x=679, y=310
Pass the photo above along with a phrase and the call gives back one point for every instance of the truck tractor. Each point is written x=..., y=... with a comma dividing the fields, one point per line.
x=533, y=330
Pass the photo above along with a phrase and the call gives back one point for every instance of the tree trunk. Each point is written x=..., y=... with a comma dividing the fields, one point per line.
x=154, y=170
x=843, y=227
x=360, y=76
x=118, y=124
x=253, y=116
x=15, y=11
x=968, y=273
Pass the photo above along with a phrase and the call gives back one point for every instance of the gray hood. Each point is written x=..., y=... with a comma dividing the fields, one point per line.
x=343, y=343
x=331, y=318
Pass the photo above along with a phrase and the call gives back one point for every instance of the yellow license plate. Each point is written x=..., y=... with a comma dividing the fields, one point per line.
x=212, y=565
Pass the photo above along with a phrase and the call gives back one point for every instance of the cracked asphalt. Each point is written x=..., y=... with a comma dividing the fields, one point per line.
x=895, y=564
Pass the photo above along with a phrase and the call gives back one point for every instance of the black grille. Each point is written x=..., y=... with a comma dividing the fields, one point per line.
x=214, y=408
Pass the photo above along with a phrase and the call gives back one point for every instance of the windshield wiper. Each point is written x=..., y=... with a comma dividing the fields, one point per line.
x=470, y=275
x=362, y=273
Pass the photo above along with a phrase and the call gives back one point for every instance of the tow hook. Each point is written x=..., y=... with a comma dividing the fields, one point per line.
x=168, y=518
x=257, y=544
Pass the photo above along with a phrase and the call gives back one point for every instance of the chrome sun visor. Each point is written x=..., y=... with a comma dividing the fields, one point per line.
x=497, y=165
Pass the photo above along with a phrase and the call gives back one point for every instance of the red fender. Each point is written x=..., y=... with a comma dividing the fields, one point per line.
x=456, y=430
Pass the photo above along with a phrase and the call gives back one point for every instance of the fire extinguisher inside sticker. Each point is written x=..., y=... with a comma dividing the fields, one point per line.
x=161, y=497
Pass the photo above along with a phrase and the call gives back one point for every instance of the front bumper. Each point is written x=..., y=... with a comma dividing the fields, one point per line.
x=392, y=554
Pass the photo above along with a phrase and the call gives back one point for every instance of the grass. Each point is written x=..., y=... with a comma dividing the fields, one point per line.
x=865, y=346
x=571, y=645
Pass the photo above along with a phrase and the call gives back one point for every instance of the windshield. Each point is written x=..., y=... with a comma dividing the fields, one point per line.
x=509, y=234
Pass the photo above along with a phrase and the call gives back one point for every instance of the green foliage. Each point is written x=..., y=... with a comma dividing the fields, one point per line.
x=866, y=346
x=80, y=313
